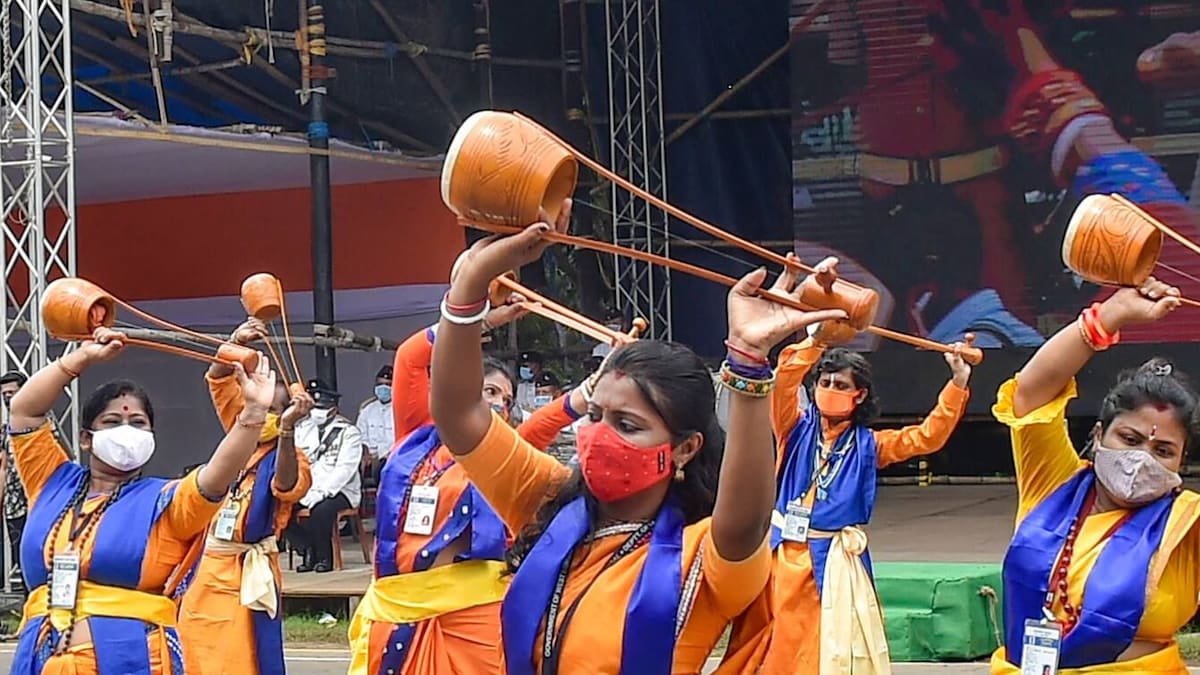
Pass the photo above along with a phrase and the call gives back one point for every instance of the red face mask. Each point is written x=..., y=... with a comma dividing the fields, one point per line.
x=835, y=404
x=614, y=468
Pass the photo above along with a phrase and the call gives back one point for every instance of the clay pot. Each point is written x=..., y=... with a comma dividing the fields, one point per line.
x=832, y=333
x=858, y=302
x=74, y=307
x=500, y=170
x=231, y=353
x=1110, y=242
x=262, y=296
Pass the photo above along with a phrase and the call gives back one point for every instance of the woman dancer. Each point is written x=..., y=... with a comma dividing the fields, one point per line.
x=229, y=620
x=822, y=598
x=1102, y=569
x=101, y=541
x=637, y=562
x=434, y=604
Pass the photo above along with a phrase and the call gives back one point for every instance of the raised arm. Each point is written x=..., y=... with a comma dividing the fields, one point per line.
x=900, y=445
x=1058, y=361
x=231, y=455
x=746, y=492
x=544, y=425
x=288, y=478
x=222, y=386
x=456, y=397
x=410, y=382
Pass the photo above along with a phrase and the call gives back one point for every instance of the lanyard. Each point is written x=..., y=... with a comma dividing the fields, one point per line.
x=826, y=458
x=79, y=520
x=552, y=641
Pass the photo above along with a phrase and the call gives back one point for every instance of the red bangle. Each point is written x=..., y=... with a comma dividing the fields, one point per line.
x=469, y=310
x=1097, y=334
x=749, y=356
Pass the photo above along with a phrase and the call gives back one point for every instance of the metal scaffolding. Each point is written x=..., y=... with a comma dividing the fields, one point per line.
x=37, y=193
x=637, y=154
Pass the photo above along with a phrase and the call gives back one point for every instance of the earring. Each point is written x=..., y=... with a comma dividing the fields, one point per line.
x=679, y=475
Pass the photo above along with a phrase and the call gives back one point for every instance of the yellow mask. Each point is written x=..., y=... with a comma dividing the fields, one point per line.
x=270, y=430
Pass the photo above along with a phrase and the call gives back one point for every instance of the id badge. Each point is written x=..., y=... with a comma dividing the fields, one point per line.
x=422, y=508
x=1040, y=645
x=227, y=521
x=795, y=522
x=64, y=585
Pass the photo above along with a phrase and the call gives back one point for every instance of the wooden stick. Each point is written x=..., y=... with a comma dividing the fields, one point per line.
x=594, y=326
x=545, y=312
x=972, y=355
x=673, y=210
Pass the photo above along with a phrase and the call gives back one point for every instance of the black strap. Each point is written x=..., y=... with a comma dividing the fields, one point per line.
x=330, y=436
x=847, y=438
x=552, y=640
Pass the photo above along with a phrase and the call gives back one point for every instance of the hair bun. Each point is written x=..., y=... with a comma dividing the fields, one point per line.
x=1158, y=366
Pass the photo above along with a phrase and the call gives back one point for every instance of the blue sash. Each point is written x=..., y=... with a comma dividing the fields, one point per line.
x=260, y=524
x=1114, y=597
x=488, y=533
x=648, y=645
x=118, y=552
x=848, y=498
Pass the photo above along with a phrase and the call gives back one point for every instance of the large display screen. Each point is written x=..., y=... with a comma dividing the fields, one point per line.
x=940, y=147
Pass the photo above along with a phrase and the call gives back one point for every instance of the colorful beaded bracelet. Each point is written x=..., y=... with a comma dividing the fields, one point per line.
x=744, y=385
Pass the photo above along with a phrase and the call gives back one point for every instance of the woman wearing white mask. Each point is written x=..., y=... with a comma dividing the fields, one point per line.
x=102, y=544
x=1104, y=567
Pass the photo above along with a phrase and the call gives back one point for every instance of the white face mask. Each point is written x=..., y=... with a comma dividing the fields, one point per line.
x=1133, y=476
x=320, y=415
x=542, y=400
x=124, y=448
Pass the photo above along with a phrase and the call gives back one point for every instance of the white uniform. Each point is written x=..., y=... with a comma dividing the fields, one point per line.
x=335, y=452
x=376, y=424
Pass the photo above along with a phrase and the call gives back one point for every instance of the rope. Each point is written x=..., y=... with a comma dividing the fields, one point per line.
x=992, y=600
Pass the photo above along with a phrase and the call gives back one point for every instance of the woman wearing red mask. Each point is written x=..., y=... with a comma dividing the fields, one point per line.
x=636, y=562
x=827, y=462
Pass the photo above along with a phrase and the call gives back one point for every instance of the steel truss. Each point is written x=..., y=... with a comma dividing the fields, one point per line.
x=37, y=193
x=637, y=152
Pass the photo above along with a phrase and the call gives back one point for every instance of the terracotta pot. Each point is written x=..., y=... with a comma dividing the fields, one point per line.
x=74, y=307
x=833, y=333
x=231, y=353
x=859, y=302
x=262, y=296
x=500, y=170
x=1111, y=243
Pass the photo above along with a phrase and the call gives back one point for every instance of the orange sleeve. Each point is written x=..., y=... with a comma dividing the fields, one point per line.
x=410, y=383
x=37, y=455
x=899, y=445
x=303, y=480
x=226, y=397
x=513, y=476
x=735, y=585
x=794, y=363
x=544, y=425
x=189, y=512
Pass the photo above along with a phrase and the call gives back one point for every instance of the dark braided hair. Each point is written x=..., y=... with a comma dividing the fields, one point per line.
x=678, y=386
x=1156, y=382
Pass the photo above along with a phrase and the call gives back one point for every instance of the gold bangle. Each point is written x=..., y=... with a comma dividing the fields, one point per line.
x=66, y=371
x=251, y=425
x=287, y=434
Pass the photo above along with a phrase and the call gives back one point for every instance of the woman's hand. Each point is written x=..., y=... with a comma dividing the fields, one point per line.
x=296, y=411
x=1132, y=306
x=490, y=257
x=510, y=311
x=960, y=370
x=757, y=324
x=258, y=388
x=105, y=344
x=252, y=330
